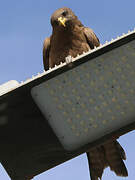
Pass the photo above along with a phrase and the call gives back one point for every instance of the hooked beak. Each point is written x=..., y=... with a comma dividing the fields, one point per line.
x=62, y=21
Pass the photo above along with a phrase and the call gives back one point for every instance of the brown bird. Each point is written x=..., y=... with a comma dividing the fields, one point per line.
x=70, y=37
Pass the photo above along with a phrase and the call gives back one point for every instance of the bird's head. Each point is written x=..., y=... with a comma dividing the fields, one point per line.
x=64, y=18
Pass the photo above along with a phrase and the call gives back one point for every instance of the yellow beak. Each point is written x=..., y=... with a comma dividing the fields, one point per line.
x=62, y=21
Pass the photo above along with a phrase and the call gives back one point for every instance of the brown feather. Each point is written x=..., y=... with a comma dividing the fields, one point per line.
x=92, y=39
x=115, y=158
x=97, y=162
x=46, y=52
x=72, y=40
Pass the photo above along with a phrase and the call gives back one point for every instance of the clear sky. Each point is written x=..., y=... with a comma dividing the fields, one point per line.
x=23, y=27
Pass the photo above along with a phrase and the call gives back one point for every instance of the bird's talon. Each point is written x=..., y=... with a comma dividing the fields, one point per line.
x=68, y=59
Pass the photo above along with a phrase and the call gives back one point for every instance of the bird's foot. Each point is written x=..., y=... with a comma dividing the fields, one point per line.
x=69, y=61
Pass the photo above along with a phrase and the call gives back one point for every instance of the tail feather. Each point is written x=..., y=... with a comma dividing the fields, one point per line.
x=121, y=150
x=96, y=162
x=115, y=154
x=110, y=154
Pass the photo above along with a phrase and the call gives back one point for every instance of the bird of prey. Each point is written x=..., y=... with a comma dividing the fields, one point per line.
x=71, y=37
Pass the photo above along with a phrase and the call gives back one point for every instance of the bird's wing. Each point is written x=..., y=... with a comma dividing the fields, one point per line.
x=91, y=37
x=46, y=50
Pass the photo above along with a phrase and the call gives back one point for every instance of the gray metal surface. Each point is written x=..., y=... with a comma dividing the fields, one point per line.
x=90, y=100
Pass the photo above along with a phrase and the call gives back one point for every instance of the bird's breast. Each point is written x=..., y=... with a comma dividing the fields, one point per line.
x=64, y=45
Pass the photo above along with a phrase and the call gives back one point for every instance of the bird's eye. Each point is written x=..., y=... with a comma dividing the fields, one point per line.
x=64, y=13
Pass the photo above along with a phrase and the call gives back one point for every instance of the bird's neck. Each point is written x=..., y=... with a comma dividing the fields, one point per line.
x=67, y=34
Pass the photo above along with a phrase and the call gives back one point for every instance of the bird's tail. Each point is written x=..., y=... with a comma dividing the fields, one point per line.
x=115, y=155
x=110, y=154
x=97, y=162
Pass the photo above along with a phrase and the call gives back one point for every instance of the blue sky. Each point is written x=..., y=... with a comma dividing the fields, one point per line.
x=23, y=27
